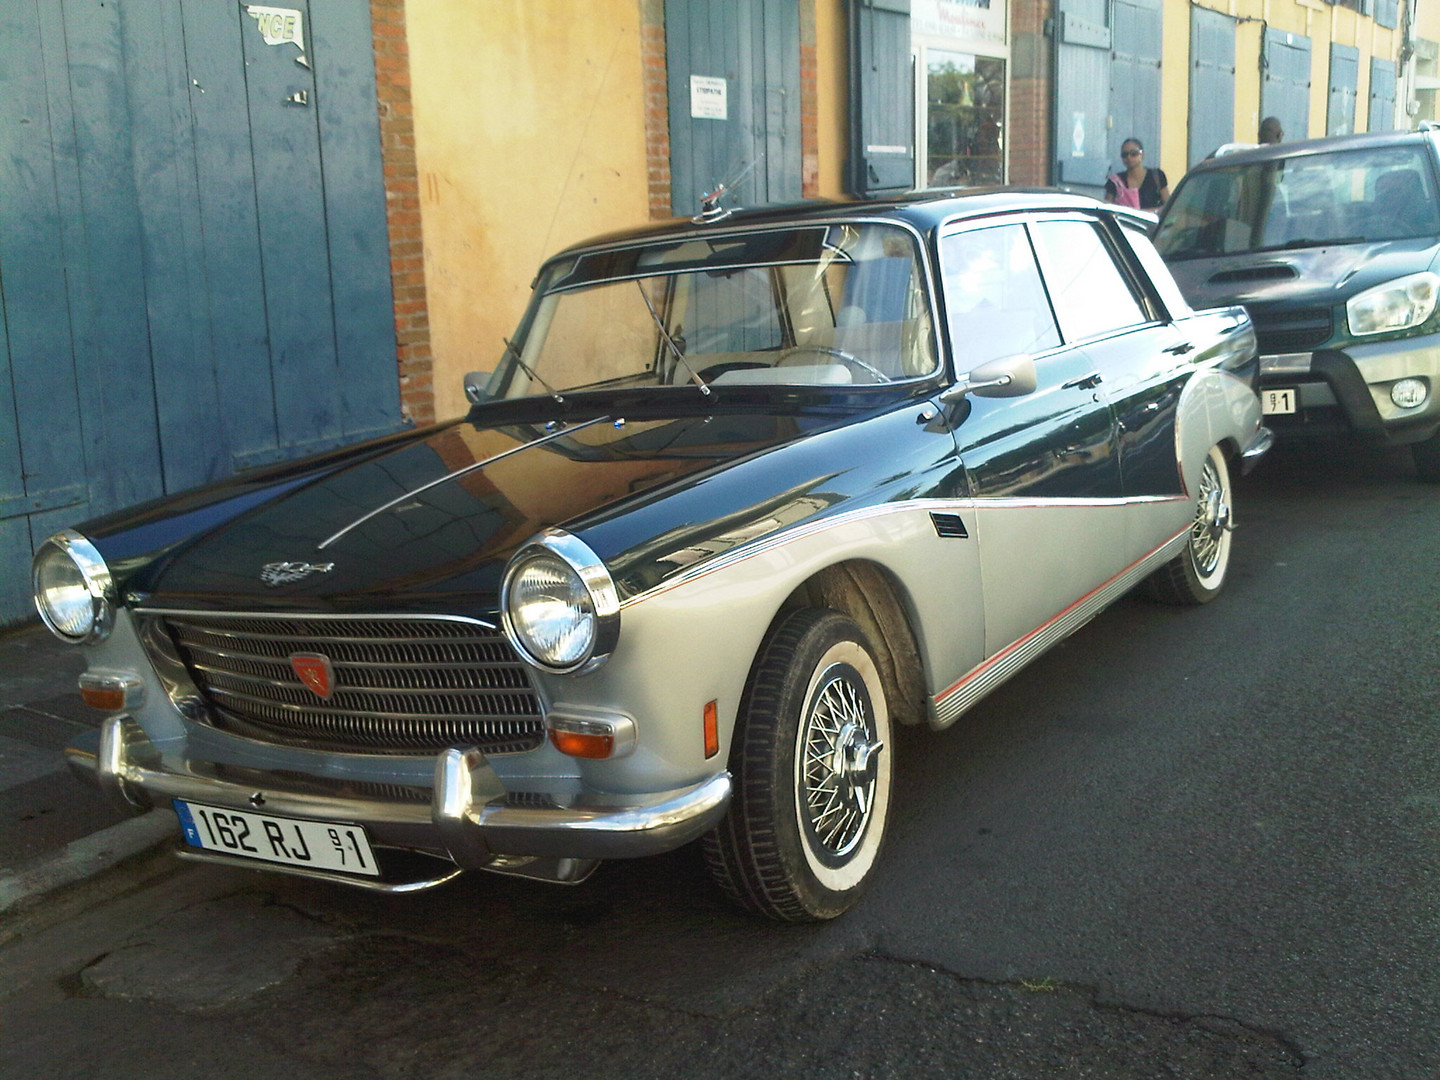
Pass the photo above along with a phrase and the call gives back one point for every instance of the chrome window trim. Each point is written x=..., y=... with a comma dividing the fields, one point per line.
x=922, y=250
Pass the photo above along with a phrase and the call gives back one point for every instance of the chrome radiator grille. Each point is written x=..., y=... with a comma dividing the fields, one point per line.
x=399, y=685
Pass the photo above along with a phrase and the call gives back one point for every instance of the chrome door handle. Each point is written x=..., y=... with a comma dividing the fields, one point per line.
x=1181, y=349
x=1084, y=382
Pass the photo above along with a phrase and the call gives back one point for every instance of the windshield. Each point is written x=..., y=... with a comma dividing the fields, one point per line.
x=830, y=304
x=1345, y=197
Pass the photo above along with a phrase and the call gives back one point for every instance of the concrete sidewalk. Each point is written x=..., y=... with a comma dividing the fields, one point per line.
x=57, y=828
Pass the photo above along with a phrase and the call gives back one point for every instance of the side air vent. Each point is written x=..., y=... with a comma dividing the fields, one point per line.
x=1273, y=272
x=949, y=526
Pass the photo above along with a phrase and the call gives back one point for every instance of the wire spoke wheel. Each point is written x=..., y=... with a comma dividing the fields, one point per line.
x=1197, y=573
x=811, y=760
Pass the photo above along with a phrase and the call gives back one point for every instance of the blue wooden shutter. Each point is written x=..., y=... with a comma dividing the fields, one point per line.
x=1387, y=13
x=1212, y=81
x=754, y=47
x=1285, y=89
x=882, y=97
x=1344, y=83
x=1382, y=95
x=1135, y=76
x=1082, y=91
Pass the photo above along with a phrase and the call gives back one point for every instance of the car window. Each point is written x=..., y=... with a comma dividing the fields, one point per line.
x=994, y=297
x=1346, y=196
x=1090, y=294
x=1160, y=276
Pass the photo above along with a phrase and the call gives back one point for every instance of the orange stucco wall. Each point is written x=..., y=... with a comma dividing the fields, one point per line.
x=529, y=135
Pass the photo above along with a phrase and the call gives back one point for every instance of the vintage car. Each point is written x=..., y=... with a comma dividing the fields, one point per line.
x=741, y=495
x=1332, y=246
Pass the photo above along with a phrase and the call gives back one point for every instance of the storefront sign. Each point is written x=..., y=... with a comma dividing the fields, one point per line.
x=970, y=20
x=708, y=98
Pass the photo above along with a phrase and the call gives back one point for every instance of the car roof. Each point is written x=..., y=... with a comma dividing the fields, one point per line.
x=1303, y=147
x=921, y=210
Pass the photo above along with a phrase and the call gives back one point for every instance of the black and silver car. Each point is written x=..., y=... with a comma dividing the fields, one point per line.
x=741, y=495
x=1332, y=246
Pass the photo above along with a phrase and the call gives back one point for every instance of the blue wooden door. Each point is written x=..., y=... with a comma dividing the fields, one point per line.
x=1382, y=95
x=1212, y=82
x=1285, y=88
x=1135, y=77
x=733, y=74
x=1344, y=87
x=194, y=261
x=1082, y=92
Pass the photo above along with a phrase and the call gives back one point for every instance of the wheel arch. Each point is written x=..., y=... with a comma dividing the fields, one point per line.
x=880, y=605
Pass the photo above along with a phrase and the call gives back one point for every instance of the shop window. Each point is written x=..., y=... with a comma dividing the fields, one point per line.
x=964, y=119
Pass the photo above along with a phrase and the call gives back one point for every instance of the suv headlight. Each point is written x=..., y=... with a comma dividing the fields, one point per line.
x=559, y=604
x=73, y=589
x=1396, y=305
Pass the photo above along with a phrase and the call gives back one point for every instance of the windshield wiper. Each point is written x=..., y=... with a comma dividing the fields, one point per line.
x=559, y=398
x=674, y=349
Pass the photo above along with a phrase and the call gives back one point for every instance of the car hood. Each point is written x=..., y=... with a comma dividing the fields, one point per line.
x=1310, y=277
x=432, y=521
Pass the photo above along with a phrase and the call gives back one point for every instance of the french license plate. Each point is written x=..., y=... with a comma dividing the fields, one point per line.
x=317, y=845
x=1278, y=401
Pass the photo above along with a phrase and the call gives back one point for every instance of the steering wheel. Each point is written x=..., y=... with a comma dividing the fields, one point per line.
x=838, y=354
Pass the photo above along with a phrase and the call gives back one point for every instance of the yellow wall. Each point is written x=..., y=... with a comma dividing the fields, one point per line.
x=529, y=135
x=832, y=80
x=1322, y=23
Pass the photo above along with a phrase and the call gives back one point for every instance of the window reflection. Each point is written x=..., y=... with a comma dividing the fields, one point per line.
x=965, y=116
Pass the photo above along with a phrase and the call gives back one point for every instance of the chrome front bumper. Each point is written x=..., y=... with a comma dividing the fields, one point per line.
x=469, y=819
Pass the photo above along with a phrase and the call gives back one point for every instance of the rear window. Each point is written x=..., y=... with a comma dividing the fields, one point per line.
x=1343, y=197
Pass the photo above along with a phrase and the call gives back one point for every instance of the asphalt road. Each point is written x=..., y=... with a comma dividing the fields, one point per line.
x=1192, y=843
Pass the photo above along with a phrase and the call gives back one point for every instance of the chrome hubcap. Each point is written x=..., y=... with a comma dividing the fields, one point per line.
x=1212, y=521
x=838, y=773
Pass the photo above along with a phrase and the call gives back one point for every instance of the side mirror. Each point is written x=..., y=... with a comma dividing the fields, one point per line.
x=475, y=386
x=1009, y=376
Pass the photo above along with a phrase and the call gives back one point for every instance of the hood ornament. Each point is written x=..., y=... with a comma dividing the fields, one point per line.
x=282, y=573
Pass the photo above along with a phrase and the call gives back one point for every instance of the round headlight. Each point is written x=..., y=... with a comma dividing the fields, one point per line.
x=73, y=589
x=559, y=604
x=1409, y=393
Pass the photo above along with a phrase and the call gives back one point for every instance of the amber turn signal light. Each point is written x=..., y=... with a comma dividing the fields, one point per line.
x=583, y=744
x=111, y=690
x=712, y=730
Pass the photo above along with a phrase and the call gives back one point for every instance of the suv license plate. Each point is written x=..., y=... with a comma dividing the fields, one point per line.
x=1278, y=401
x=317, y=845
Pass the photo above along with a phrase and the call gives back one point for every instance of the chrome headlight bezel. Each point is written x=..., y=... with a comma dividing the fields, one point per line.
x=1401, y=304
x=598, y=607
x=98, y=599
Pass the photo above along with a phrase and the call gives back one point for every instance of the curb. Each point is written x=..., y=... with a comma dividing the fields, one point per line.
x=84, y=858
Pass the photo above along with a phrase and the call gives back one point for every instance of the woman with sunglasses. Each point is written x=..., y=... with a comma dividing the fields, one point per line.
x=1135, y=185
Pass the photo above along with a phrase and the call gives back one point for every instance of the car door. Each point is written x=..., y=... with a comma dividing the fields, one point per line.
x=1043, y=468
x=1106, y=297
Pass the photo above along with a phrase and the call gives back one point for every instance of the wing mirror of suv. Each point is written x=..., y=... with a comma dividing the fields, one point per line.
x=1009, y=376
x=475, y=386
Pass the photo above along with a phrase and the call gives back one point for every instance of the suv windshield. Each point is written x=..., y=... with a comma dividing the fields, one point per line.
x=1343, y=197
x=828, y=304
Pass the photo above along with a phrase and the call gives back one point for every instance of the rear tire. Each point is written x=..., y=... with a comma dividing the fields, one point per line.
x=1196, y=575
x=811, y=760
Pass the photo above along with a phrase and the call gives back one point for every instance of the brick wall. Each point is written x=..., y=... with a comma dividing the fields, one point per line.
x=402, y=211
x=657, y=106
x=1030, y=93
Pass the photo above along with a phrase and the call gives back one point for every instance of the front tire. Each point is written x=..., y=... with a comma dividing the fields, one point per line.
x=1196, y=575
x=811, y=758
